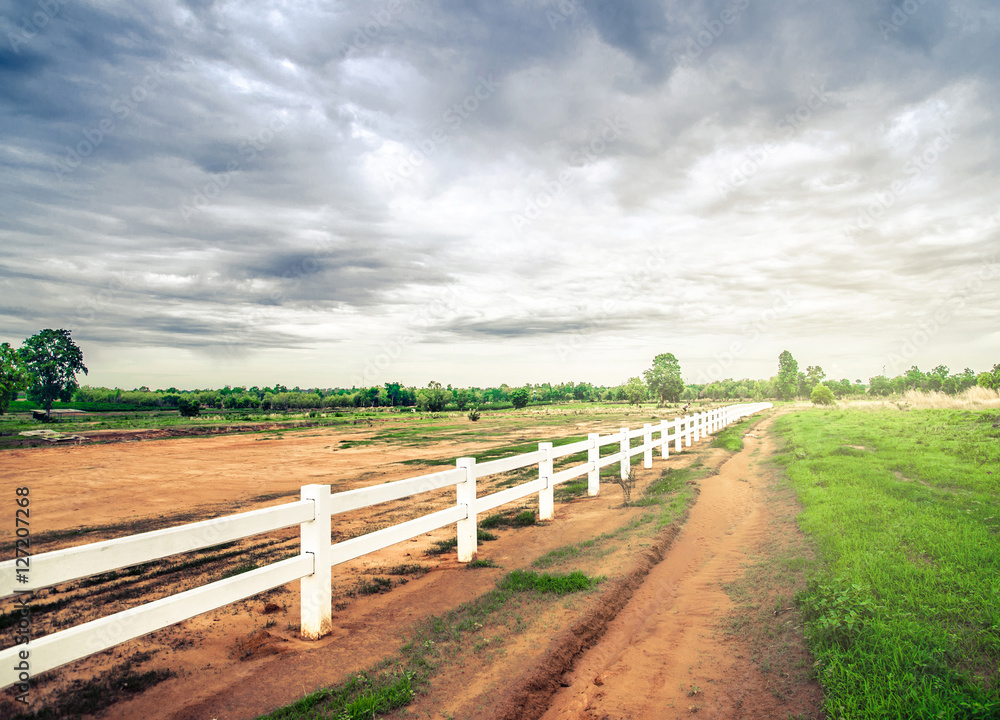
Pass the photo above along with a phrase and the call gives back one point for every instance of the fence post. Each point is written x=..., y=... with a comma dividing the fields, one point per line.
x=624, y=447
x=677, y=434
x=466, y=495
x=647, y=443
x=688, y=430
x=546, y=496
x=594, y=457
x=664, y=440
x=316, y=599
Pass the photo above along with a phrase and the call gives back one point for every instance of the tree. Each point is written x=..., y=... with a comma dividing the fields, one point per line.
x=787, y=382
x=434, y=398
x=52, y=360
x=13, y=376
x=822, y=395
x=814, y=376
x=990, y=380
x=520, y=397
x=664, y=378
x=188, y=407
x=635, y=391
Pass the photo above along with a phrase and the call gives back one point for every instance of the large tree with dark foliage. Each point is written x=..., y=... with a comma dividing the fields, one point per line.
x=52, y=360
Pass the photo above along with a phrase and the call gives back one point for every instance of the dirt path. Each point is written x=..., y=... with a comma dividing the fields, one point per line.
x=665, y=655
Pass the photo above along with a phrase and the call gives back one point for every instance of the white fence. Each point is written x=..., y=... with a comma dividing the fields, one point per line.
x=313, y=514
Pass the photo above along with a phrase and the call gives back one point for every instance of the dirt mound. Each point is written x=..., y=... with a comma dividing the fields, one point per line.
x=259, y=644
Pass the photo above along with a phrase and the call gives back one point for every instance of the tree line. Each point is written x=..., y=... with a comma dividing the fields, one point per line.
x=46, y=365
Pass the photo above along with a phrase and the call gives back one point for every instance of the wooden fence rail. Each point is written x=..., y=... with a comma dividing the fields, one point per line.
x=313, y=514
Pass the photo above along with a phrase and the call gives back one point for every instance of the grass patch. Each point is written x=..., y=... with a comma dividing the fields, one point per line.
x=731, y=436
x=481, y=563
x=671, y=492
x=525, y=580
x=902, y=614
x=440, y=547
x=571, y=489
x=406, y=569
x=523, y=518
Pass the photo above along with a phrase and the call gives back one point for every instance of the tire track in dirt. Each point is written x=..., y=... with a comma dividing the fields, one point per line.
x=663, y=655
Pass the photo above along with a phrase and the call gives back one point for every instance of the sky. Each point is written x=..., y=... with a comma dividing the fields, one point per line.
x=336, y=194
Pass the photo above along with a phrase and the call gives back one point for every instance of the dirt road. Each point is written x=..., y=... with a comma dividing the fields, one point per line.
x=666, y=654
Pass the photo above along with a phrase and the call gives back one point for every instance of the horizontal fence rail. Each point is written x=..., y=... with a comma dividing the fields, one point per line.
x=313, y=514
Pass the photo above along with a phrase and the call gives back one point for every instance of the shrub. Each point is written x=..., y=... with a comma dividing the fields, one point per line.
x=822, y=395
x=474, y=414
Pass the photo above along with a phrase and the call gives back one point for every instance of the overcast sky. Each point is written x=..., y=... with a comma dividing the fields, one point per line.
x=330, y=193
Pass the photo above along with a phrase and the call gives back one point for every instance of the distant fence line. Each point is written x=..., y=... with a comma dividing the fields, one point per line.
x=312, y=566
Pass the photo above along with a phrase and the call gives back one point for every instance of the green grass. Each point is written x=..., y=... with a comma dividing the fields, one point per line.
x=440, y=547
x=394, y=682
x=524, y=580
x=731, y=436
x=523, y=518
x=904, y=509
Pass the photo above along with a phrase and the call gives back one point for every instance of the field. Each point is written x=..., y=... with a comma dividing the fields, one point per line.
x=702, y=590
x=903, y=614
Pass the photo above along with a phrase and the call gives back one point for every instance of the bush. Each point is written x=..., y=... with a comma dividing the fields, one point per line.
x=520, y=398
x=474, y=414
x=188, y=408
x=822, y=395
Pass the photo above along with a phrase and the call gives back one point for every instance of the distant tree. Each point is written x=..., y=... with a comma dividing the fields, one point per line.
x=433, y=398
x=462, y=398
x=937, y=378
x=814, y=376
x=822, y=395
x=914, y=379
x=520, y=397
x=52, y=360
x=879, y=385
x=188, y=407
x=583, y=392
x=664, y=378
x=990, y=380
x=14, y=376
x=787, y=385
x=635, y=391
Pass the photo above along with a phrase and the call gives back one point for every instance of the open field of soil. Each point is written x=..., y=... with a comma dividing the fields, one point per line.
x=246, y=659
